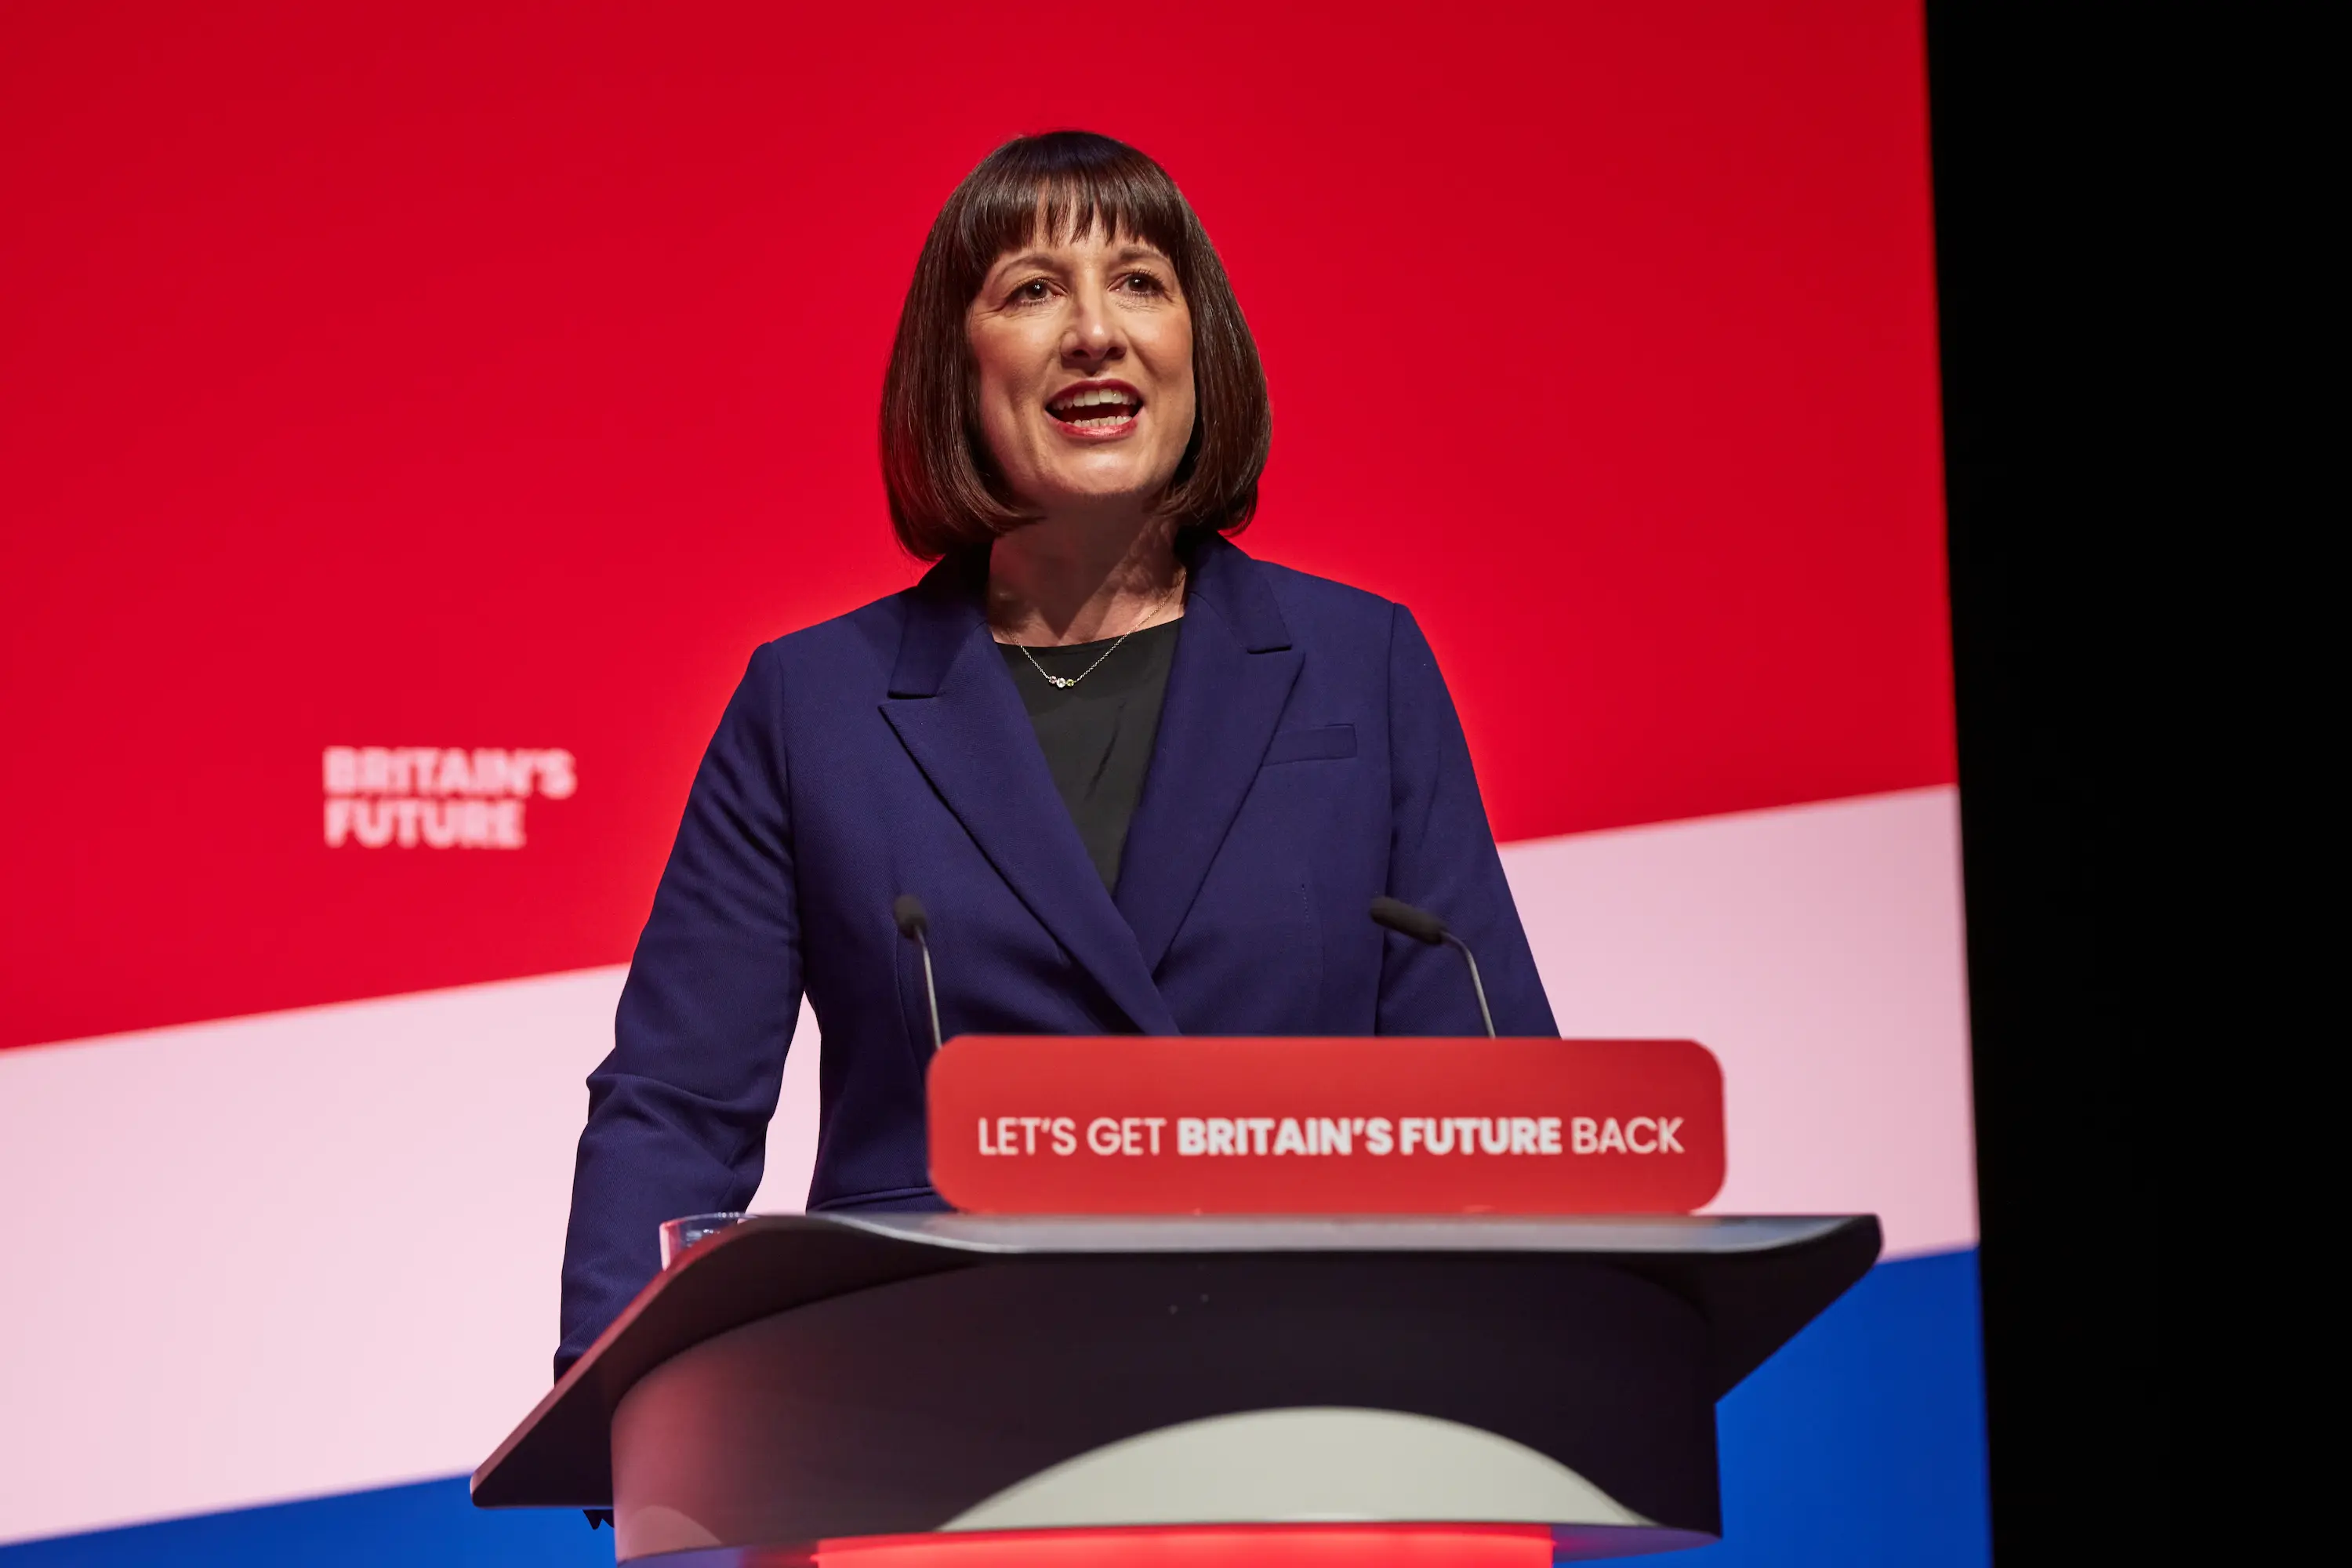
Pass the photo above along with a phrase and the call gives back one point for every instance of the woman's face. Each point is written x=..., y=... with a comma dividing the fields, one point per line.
x=1084, y=350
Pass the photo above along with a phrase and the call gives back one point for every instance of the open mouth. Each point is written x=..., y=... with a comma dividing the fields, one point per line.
x=1097, y=409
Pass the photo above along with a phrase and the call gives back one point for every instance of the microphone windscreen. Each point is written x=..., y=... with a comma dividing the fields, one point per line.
x=1406, y=920
x=907, y=911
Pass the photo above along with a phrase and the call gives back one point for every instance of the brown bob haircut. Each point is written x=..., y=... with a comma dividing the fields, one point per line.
x=945, y=493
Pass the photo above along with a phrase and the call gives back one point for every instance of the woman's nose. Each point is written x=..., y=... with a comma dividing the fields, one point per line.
x=1092, y=337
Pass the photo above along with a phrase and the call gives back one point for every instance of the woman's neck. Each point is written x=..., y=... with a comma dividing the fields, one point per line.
x=1074, y=580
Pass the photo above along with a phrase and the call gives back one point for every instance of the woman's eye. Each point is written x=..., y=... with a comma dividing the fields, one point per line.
x=1140, y=283
x=1032, y=292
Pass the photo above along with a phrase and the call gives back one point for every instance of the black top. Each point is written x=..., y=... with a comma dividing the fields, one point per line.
x=1097, y=734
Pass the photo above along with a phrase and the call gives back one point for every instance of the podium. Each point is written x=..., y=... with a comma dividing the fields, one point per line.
x=952, y=1382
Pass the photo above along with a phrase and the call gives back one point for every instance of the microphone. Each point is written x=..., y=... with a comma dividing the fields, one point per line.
x=1423, y=927
x=915, y=927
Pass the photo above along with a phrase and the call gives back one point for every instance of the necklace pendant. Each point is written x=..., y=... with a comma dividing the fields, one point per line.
x=1063, y=681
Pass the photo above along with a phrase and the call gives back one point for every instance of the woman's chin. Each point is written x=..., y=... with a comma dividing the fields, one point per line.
x=1096, y=493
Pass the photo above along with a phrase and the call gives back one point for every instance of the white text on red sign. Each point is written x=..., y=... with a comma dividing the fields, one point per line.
x=1344, y=1136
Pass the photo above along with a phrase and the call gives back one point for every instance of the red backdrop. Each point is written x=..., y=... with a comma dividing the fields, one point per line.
x=500, y=375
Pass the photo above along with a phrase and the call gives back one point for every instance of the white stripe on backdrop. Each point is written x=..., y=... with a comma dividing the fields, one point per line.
x=316, y=1251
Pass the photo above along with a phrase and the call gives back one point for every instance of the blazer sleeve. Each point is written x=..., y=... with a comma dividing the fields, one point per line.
x=677, y=1114
x=1441, y=859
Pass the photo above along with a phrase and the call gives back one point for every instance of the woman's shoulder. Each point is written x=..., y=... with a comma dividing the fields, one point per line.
x=1321, y=609
x=865, y=639
x=1325, y=597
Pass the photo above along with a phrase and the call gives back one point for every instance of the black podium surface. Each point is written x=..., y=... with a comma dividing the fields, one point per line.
x=800, y=1378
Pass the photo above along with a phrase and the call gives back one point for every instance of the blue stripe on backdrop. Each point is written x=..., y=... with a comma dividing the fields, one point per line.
x=1861, y=1444
x=431, y=1523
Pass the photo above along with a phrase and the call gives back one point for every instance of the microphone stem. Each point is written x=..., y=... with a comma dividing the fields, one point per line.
x=1476, y=984
x=931, y=991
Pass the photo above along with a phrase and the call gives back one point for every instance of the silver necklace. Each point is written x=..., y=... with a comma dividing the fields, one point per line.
x=1067, y=681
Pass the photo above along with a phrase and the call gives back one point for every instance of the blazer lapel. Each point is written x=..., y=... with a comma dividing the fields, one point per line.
x=957, y=713
x=1233, y=674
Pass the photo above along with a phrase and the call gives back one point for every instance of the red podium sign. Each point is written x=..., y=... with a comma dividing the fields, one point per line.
x=1034, y=1124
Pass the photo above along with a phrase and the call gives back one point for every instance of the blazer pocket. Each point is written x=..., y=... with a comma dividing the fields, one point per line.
x=1311, y=745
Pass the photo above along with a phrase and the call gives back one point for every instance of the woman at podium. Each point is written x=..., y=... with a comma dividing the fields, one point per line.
x=1140, y=782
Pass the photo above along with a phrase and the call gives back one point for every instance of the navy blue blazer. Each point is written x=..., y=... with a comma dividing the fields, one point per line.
x=1308, y=758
